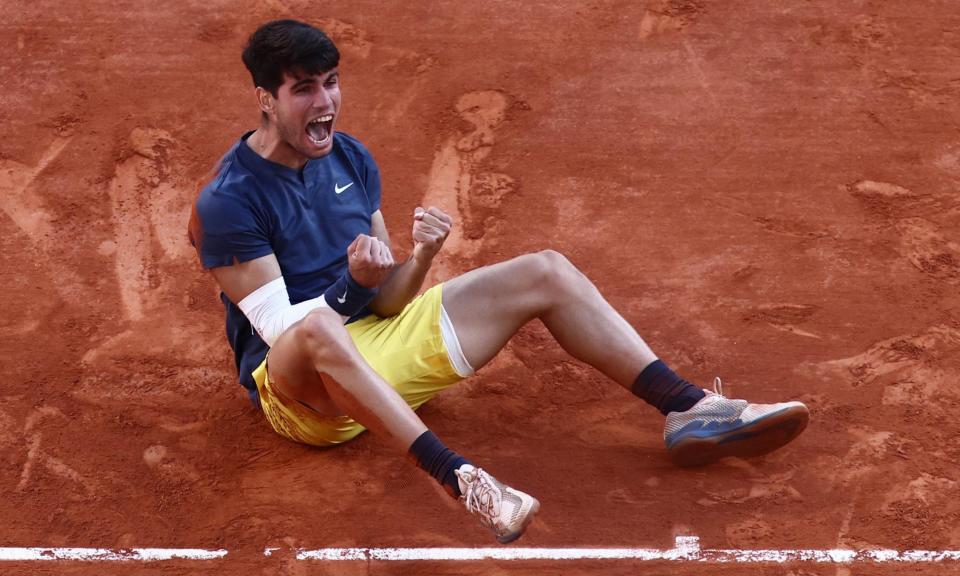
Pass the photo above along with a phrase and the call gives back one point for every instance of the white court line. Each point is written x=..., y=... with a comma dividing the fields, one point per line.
x=686, y=549
x=105, y=555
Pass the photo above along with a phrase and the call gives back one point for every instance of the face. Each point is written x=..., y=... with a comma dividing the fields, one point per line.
x=305, y=112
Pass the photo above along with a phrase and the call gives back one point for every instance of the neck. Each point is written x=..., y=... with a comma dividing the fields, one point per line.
x=268, y=144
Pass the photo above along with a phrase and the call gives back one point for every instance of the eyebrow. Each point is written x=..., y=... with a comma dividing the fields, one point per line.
x=303, y=81
x=311, y=79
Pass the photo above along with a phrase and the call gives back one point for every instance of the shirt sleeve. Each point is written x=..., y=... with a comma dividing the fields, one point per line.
x=232, y=230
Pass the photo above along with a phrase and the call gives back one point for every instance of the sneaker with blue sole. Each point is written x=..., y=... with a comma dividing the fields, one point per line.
x=717, y=427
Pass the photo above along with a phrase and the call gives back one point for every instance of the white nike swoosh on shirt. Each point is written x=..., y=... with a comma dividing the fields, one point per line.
x=342, y=299
x=338, y=189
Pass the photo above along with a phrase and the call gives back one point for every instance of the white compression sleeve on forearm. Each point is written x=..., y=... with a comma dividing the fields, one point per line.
x=269, y=310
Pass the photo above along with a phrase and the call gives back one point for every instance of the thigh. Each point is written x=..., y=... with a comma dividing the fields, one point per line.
x=292, y=373
x=296, y=421
x=407, y=351
x=488, y=305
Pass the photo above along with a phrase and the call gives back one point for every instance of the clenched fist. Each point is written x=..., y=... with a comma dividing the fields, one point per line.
x=430, y=228
x=369, y=261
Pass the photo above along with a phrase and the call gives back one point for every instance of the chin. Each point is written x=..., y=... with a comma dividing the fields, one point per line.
x=315, y=149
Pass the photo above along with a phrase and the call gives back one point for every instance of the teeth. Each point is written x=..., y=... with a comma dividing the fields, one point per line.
x=326, y=118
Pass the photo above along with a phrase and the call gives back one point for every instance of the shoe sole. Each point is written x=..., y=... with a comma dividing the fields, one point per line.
x=755, y=439
x=523, y=526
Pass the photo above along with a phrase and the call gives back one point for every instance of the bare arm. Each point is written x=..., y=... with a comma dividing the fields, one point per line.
x=365, y=262
x=241, y=279
x=404, y=281
x=430, y=229
x=258, y=289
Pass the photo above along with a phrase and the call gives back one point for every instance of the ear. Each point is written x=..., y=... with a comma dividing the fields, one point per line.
x=265, y=100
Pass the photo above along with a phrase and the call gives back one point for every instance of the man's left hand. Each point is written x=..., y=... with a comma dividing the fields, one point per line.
x=430, y=228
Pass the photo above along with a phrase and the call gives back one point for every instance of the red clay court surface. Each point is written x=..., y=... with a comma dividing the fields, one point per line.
x=768, y=191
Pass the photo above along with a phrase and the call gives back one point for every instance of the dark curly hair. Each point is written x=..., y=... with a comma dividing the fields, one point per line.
x=287, y=46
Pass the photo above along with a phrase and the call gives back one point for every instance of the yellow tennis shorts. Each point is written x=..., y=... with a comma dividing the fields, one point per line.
x=406, y=350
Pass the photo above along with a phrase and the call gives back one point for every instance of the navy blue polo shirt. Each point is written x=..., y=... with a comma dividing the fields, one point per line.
x=307, y=218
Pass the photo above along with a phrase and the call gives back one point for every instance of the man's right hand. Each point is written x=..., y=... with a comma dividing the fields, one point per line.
x=369, y=261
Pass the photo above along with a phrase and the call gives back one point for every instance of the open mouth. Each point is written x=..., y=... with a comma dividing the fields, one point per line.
x=320, y=130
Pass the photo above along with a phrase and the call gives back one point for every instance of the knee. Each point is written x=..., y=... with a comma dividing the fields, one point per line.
x=554, y=271
x=554, y=259
x=322, y=333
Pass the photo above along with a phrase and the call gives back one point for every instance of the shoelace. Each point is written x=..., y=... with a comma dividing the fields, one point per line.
x=481, y=498
x=717, y=392
x=717, y=386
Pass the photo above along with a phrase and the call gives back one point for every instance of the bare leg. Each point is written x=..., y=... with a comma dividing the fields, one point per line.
x=319, y=344
x=316, y=362
x=488, y=305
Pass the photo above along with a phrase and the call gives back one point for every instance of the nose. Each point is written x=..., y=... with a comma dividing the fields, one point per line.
x=324, y=99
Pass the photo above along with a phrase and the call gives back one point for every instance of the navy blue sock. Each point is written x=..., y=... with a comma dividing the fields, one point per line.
x=664, y=390
x=438, y=461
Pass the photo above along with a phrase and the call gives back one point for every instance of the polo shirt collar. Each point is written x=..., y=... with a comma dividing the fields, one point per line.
x=260, y=165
